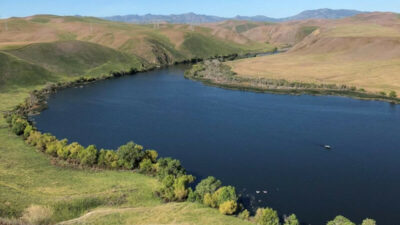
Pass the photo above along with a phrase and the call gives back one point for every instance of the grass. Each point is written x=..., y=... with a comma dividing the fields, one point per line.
x=373, y=76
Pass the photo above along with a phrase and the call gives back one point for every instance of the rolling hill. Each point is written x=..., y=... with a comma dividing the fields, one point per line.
x=361, y=51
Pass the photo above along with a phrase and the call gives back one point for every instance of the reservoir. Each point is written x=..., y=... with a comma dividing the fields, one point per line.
x=265, y=143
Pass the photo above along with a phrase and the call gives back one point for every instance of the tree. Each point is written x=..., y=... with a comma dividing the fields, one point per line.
x=208, y=185
x=223, y=194
x=56, y=146
x=208, y=200
x=169, y=166
x=340, y=220
x=291, y=220
x=131, y=155
x=18, y=125
x=88, y=156
x=368, y=222
x=73, y=150
x=193, y=196
x=266, y=216
x=152, y=155
x=393, y=94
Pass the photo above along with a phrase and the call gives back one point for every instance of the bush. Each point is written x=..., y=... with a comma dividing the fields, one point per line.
x=37, y=215
x=228, y=207
x=44, y=141
x=18, y=125
x=223, y=194
x=393, y=94
x=181, y=190
x=55, y=146
x=340, y=220
x=291, y=220
x=166, y=191
x=146, y=166
x=208, y=200
x=368, y=222
x=152, y=155
x=27, y=131
x=208, y=185
x=88, y=156
x=130, y=155
x=72, y=151
x=34, y=138
x=244, y=215
x=169, y=166
x=266, y=216
x=193, y=196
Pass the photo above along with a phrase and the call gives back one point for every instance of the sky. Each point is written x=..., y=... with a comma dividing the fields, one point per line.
x=225, y=8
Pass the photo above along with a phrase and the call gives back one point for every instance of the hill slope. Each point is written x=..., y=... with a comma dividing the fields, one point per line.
x=361, y=51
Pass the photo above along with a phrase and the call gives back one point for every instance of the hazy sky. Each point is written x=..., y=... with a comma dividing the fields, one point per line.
x=228, y=8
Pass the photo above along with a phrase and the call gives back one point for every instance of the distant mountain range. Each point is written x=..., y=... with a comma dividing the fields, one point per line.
x=196, y=18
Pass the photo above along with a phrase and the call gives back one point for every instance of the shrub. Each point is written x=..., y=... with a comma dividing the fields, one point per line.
x=208, y=200
x=244, y=215
x=146, y=166
x=208, y=185
x=152, y=155
x=181, y=183
x=18, y=125
x=193, y=196
x=340, y=220
x=291, y=220
x=73, y=150
x=266, y=216
x=223, y=194
x=166, y=191
x=44, y=141
x=168, y=166
x=368, y=222
x=131, y=155
x=88, y=156
x=108, y=158
x=37, y=215
x=27, y=131
x=228, y=207
x=55, y=146
x=393, y=94
x=34, y=138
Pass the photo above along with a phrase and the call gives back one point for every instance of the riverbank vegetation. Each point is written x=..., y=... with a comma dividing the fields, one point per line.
x=217, y=73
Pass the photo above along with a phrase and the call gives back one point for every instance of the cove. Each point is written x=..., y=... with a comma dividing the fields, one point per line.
x=253, y=141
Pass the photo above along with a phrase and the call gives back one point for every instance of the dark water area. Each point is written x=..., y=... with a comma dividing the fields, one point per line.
x=253, y=141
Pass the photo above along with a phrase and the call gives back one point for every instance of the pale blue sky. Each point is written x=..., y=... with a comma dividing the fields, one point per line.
x=228, y=8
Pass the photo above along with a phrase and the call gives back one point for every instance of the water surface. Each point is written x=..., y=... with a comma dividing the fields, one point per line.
x=254, y=141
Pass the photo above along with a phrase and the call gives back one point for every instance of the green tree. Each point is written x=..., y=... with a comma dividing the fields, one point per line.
x=291, y=220
x=88, y=156
x=152, y=155
x=393, y=94
x=73, y=150
x=208, y=200
x=169, y=166
x=131, y=155
x=224, y=194
x=146, y=166
x=368, y=222
x=166, y=191
x=56, y=146
x=193, y=196
x=228, y=207
x=266, y=216
x=340, y=220
x=208, y=185
x=18, y=125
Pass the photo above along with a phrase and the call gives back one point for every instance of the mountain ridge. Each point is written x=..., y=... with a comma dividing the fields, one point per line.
x=193, y=18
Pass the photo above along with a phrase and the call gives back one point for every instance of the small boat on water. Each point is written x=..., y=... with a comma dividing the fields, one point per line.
x=327, y=147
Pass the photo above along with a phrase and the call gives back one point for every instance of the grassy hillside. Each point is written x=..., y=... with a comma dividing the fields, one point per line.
x=72, y=58
x=159, y=44
x=363, y=51
x=18, y=72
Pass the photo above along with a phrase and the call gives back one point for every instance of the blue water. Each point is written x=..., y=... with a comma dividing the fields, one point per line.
x=253, y=141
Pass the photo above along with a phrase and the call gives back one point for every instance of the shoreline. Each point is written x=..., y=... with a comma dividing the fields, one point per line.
x=232, y=81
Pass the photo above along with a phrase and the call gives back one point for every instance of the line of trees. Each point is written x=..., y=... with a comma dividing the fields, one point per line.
x=173, y=177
